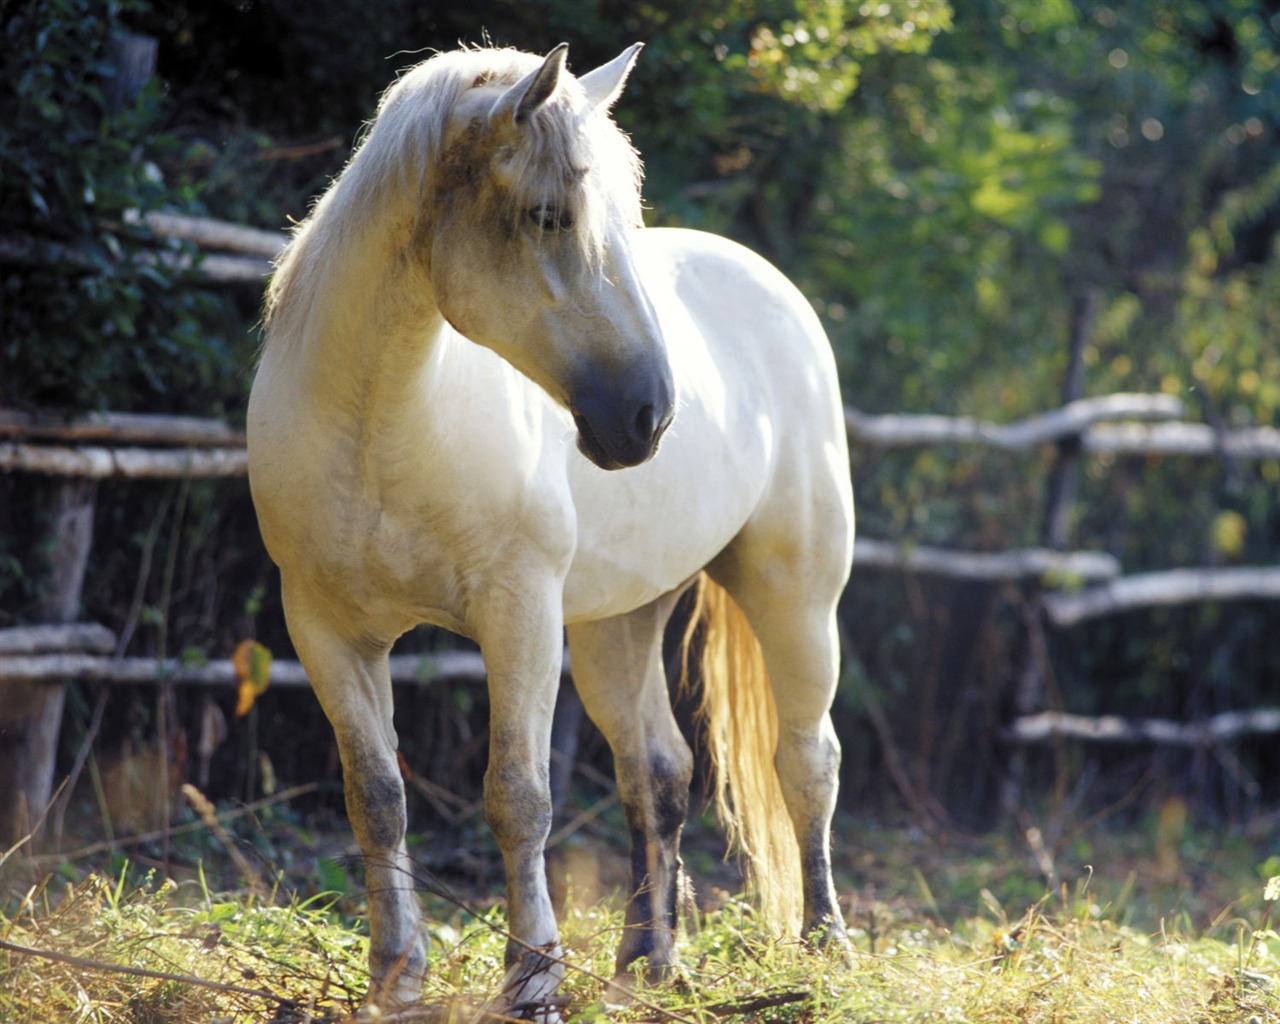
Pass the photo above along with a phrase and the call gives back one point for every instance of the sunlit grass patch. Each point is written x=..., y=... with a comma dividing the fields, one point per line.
x=162, y=953
x=195, y=956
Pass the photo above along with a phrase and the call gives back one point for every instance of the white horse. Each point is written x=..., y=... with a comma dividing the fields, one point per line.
x=472, y=292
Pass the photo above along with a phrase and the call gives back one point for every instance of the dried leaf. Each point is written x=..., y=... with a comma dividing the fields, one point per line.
x=244, y=698
x=252, y=664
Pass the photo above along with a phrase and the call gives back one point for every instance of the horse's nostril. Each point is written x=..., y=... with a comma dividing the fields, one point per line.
x=646, y=422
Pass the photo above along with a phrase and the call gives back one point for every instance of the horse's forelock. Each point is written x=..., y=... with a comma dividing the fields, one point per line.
x=571, y=154
x=567, y=151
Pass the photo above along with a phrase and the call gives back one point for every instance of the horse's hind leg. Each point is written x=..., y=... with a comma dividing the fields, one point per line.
x=354, y=688
x=618, y=669
x=792, y=612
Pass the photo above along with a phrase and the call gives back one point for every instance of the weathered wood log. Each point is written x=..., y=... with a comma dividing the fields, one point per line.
x=1222, y=728
x=1068, y=421
x=120, y=428
x=96, y=463
x=1164, y=589
x=217, y=235
x=217, y=268
x=1074, y=419
x=1051, y=567
x=42, y=668
x=30, y=715
x=221, y=269
x=76, y=637
x=1195, y=439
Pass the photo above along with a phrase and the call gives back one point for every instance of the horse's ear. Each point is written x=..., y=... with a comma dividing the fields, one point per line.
x=604, y=85
x=532, y=91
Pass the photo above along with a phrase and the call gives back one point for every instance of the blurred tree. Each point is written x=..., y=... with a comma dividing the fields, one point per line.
x=92, y=316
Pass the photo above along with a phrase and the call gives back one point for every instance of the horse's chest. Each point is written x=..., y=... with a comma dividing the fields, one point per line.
x=429, y=556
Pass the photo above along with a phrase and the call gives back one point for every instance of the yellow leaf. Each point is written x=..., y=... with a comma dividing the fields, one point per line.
x=252, y=664
x=244, y=698
x=1229, y=530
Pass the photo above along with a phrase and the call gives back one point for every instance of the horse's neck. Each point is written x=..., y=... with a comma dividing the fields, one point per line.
x=371, y=328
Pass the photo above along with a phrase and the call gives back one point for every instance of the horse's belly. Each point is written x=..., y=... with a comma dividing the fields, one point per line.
x=602, y=584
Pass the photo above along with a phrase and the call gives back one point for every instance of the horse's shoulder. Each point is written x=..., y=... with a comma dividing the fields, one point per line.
x=696, y=244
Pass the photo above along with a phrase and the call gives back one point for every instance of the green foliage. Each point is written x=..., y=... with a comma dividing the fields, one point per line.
x=732, y=104
x=816, y=57
x=94, y=313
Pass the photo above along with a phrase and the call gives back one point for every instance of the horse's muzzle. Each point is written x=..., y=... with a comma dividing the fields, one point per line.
x=621, y=440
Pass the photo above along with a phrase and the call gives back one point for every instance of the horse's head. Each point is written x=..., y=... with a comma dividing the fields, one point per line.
x=530, y=218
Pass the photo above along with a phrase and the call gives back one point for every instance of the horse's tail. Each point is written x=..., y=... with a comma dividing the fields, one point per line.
x=740, y=722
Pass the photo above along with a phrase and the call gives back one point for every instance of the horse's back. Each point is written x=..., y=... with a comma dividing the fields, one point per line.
x=756, y=321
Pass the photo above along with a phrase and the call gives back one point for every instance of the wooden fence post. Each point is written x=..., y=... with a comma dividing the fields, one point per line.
x=31, y=714
x=1029, y=682
x=134, y=60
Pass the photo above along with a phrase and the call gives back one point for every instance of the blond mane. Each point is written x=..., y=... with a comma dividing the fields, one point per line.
x=569, y=149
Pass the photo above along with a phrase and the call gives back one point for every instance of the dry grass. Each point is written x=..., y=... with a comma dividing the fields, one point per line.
x=1147, y=939
x=143, y=952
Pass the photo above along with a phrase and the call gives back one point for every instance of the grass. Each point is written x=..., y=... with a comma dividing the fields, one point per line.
x=932, y=943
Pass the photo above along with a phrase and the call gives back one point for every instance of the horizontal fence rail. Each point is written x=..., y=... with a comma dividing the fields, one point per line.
x=1091, y=421
x=462, y=666
x=1221, y=728
x=1074, y=587
x=1164, y=589
x=1069, y=567
x=87, y=650
x=141, y=446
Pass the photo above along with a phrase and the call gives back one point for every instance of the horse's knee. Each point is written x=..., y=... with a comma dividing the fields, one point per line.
x=375, y=806
x=518, y=807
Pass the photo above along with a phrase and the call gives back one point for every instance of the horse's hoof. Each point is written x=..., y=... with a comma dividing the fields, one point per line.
x=387, y=996
x=829, y=937
x=531, y=988
x=619, y=993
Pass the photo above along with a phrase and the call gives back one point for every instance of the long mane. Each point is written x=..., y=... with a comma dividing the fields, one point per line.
x=567, y=147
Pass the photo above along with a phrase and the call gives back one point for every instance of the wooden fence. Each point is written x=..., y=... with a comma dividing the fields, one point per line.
x=1079, y=585
x=1069, y=586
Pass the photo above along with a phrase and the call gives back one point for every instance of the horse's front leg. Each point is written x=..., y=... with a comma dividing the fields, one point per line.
x=521, y=640
x=353, y=683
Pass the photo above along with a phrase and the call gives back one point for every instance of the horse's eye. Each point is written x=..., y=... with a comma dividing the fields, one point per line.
x=550, y=217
